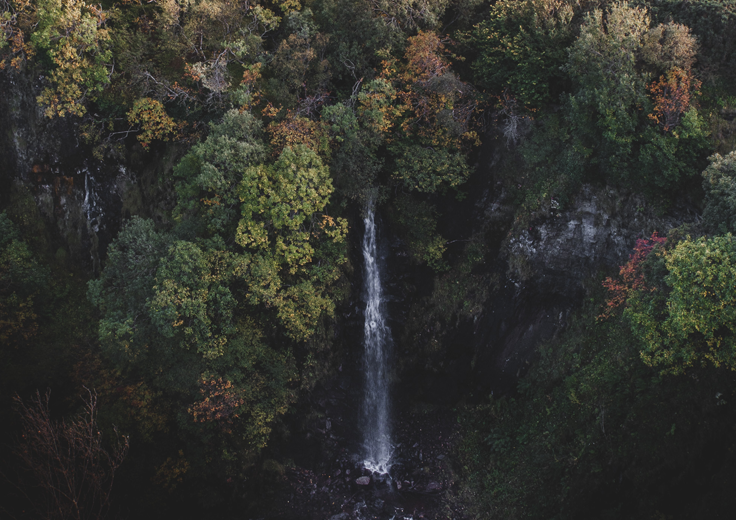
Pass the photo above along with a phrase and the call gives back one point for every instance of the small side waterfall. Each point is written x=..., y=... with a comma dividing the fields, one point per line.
x=377, y=337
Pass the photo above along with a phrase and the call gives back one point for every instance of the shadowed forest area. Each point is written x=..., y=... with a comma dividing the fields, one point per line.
x=182, y=191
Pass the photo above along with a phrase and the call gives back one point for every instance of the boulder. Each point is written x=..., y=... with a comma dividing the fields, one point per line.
x=434, y=487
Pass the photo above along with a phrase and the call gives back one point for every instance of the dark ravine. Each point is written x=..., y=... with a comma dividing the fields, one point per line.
x=541, y=275
x=484, y=356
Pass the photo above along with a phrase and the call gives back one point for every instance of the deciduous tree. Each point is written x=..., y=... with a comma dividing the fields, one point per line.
x=719, y=183
x=75, y=37
x=68, y=459
x=691, y=320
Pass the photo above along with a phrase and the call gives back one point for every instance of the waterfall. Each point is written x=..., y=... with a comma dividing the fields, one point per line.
x=377, y=337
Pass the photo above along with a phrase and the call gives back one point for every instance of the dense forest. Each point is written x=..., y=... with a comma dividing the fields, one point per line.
x=183, y=187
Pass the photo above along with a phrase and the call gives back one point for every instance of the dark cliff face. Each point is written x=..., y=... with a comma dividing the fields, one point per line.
x=83, y=200
x=540, y=274
x=550, y=266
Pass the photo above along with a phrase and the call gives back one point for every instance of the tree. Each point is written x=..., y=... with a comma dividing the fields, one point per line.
x=247, y=389
x=435, y=116
x=713, y=24
x=171, y=320
x=418, y=226
x=210, y=172
x=294, y=129
x=522, y=49
x=671, y=97
x=611, y=63
x=124, y=287
x=438, y=107
x=602, y=63
x=719, y=183
x=74, y=36
x=22, y=281
x=691, y=319
x=356, y=136
x=68, y=460
x=191, y=302
x=154, y=122
x=207, y=314
x=16, y=20
x=410, y=13
x=299, y=66
x=428, y=169
x=631, y=275
x=287, y=237
x=282, y=229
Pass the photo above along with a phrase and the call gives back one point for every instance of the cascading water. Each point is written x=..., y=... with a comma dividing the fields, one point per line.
x=377, y=337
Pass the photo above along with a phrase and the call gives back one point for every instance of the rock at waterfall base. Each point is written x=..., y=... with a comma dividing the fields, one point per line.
x=434, y=487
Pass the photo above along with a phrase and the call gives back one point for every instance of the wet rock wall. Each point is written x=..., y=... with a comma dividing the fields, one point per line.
x=83, y=200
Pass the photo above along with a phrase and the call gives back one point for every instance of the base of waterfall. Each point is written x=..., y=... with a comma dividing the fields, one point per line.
x=422, y=482
x=380, y=467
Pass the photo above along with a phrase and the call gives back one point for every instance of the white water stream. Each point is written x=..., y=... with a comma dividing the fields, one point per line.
x=377, y=338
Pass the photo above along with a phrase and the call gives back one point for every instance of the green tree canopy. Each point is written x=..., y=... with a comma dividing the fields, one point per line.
x=74, y=36
x=210, y=172
x=522, y=48
x=692, y=318
x=612, y=63
x=192, y=312
x=719, y=183
x=430, y=169
x=293, y=248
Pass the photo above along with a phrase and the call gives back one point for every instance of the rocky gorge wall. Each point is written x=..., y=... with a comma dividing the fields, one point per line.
x=83, y=200
x=549, y=267
x=537, y=276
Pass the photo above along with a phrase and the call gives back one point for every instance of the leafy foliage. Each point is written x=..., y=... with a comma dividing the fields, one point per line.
x=410, y=13
x=521, y=48
x=610, y=63
x=356, y=137
x=170, y=318
x=690, y=320
x=210, y=172
x=212, y=328
x=191, y=312
x=711, y=22
x=671, y=97
x=719, y=183
x=296, y=130
x=591, y=420
x=286, y=235
x=439, y=105
x=299, y=68
x=22, y=280
x=602, y=63
x=631, y=275
x=418, y=222
x=123, y=288
x=428, y=170
x=16, y=19
x=75, y=37
x=155, y=122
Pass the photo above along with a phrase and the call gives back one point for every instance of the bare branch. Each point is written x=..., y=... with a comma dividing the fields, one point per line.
x=67, y=460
